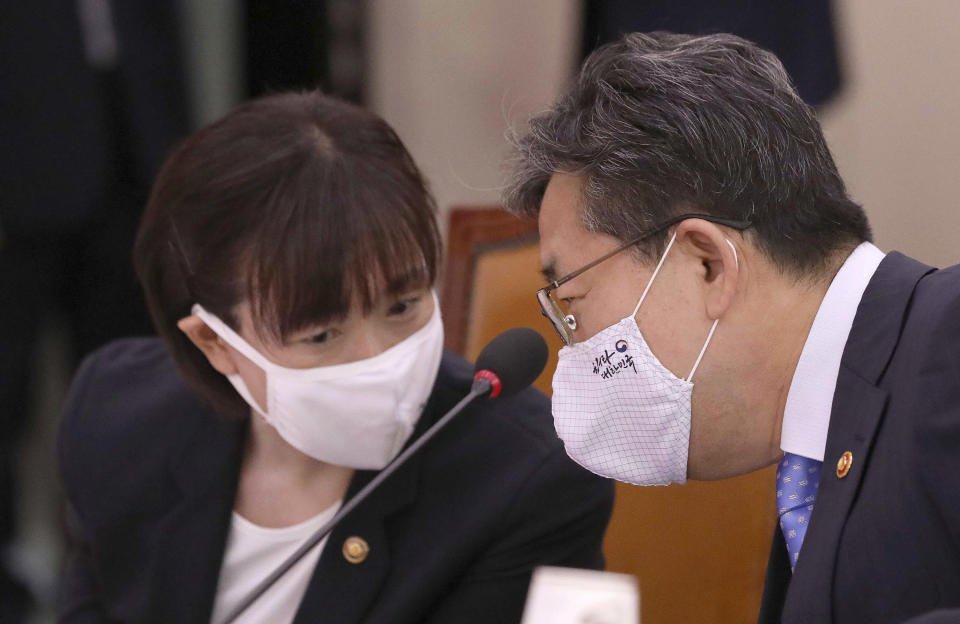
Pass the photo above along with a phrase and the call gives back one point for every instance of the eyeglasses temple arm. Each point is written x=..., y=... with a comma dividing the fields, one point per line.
x=733, y=223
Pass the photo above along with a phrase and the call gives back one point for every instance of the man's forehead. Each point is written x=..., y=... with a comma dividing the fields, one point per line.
x=560, y=207
x=559, y=218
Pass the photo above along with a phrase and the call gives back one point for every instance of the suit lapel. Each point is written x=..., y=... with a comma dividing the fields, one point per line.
x=858, y=408
x=341, y=590
x=344, y=591
x=861, y=406
x=777, y=581
x=192, y=535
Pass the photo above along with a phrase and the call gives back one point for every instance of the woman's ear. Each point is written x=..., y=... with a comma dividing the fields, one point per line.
x=209, y=342
x=721, y=263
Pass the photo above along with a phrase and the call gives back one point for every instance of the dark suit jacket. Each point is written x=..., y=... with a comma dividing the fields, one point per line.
x=883, y=543
x=453, y=535
x=67, y=128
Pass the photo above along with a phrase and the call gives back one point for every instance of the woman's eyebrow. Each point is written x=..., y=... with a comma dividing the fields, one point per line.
x=410, y=280
x=311, y=326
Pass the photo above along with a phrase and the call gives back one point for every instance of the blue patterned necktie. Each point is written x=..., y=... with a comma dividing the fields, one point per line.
x=797, y=480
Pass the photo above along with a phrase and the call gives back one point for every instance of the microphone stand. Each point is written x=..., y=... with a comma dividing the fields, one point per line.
x=480, y=388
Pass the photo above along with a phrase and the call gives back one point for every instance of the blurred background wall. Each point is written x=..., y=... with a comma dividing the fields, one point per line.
x=450, y=89
x=451, y=76
x=894, y=129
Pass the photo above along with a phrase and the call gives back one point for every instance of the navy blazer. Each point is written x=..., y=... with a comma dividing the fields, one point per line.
x=453, y=535
x=883, y=544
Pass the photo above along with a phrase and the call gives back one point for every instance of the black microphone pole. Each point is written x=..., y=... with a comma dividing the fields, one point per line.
x=481, y=387
x=510, y=363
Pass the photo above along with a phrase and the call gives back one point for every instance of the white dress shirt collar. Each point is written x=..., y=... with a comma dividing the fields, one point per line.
x=806, y=416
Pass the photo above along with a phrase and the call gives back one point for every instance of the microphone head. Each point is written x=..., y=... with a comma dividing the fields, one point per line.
x=512, y=361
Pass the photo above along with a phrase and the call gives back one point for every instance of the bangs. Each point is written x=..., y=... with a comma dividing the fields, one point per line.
x=340, y=233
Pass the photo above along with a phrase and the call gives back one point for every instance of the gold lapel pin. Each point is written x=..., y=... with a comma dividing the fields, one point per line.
x=843, y=465
x=355, y=549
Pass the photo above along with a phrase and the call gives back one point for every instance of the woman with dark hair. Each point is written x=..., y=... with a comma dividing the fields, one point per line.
x=288, y=254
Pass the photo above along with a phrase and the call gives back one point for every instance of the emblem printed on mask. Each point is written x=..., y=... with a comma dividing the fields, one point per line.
x=608, y=364
x=633, y=428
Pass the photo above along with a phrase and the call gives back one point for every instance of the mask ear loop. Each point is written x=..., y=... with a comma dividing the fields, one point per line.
x=713, y=328
x=655, y=271
x=231, y=337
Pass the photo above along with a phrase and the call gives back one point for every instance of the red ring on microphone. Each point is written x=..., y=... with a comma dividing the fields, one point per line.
x=492, y=378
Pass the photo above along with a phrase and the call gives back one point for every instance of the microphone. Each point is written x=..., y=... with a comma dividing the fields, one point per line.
x=511, y=361
x=507, y=365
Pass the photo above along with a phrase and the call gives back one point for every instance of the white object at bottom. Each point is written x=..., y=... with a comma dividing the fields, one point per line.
x=574, y=596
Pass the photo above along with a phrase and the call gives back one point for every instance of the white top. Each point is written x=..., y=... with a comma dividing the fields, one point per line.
x=253, y=552
x=806, y=416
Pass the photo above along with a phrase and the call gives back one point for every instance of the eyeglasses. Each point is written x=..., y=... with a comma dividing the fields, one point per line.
x=564, y=323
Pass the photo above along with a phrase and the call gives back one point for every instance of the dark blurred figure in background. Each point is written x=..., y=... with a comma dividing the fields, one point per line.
x=799, y=32
x=93, y=96
x=305, y=45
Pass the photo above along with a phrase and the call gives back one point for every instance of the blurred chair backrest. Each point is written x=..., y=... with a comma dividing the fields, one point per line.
x=699, y=550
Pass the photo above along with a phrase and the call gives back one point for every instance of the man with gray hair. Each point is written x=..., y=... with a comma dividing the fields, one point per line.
x=723, y=309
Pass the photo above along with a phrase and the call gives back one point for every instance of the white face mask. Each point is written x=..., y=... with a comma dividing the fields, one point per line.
x=358, y=414
x=619, y=411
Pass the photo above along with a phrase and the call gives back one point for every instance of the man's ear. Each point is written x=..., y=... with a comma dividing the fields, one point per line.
x=720, y=259
x=208, y=342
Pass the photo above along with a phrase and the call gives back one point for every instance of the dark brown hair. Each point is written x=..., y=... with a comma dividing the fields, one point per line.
x=298, y=203
x=658, y=124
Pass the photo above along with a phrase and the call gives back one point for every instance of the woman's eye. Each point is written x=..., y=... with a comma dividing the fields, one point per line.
x=322, y=337
x=403, y=306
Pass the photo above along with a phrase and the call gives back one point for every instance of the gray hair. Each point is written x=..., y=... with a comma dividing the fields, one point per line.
x=660, y=124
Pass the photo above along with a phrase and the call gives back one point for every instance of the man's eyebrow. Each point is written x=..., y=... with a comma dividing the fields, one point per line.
x=549, y=272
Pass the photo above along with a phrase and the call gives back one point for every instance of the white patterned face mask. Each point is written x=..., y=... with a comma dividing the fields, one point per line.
x=619, y=411
x=357, y=414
